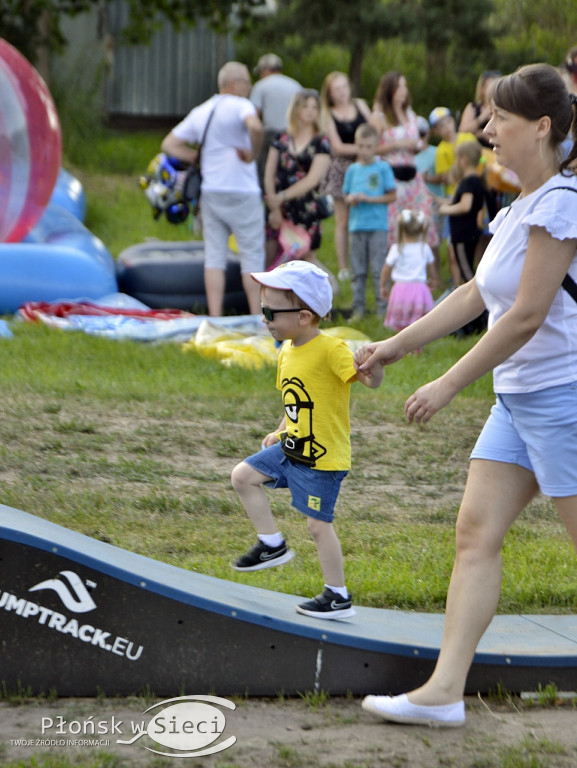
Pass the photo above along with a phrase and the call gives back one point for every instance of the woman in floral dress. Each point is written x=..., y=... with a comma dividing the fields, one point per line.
x=297, y=162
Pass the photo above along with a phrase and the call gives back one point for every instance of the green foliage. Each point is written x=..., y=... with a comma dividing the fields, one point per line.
x=221, y=15
x=31, y=24
x=78, y=96
x=354, y=27
x=442, y=46
x=547, y=695
x=316, y=699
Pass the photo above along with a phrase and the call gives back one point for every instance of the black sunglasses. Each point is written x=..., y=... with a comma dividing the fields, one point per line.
x=270, y=313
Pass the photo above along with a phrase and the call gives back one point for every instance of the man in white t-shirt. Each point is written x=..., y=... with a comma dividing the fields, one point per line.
x=231, y=195
x=271, y=95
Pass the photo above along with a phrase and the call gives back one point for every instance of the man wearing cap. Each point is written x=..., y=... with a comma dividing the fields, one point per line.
x=310, y=451
x=271, y=95
x=231, y=196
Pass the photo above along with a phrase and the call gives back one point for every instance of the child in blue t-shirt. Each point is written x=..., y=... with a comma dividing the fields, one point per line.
x=369, y=187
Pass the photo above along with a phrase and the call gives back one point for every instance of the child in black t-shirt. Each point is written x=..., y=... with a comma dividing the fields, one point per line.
x=465, y=210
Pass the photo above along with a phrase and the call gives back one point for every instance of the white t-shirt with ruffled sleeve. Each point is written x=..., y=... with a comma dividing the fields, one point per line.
x=549, y=358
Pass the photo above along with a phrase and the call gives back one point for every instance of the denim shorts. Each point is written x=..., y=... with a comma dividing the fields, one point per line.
x=538, y=431
x=314, y=491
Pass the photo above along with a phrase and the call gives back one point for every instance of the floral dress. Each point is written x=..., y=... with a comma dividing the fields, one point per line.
x=292, y=168
x=410, y=194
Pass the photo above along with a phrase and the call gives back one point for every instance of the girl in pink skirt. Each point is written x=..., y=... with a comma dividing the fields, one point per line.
x=409, y=263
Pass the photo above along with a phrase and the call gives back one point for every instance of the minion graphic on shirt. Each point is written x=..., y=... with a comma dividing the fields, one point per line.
x=299, y=442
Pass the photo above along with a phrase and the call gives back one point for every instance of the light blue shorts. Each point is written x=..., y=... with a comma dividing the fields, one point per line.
x=538, y=431
x=314, y=491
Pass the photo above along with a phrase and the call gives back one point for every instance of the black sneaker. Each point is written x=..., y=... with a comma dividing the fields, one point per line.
x=261, y=556
x=328, y=605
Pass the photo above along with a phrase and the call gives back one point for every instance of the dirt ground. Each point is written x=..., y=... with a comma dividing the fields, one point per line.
x=295, y=733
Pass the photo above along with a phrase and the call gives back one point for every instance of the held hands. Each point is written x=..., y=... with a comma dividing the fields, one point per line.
x=381, y=352
x=372, y=376
x=426, y=401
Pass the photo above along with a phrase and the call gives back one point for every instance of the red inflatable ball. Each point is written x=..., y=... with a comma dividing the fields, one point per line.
x=30, y=145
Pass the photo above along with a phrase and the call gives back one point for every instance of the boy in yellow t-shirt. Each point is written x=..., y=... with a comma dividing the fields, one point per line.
x=443, y=124
x=310, y=451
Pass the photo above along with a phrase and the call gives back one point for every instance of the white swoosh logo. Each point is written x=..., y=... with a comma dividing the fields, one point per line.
x=264, y=556
x=79, y=602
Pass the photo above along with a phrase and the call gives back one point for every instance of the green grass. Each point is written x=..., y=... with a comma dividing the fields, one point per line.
x=133, y=444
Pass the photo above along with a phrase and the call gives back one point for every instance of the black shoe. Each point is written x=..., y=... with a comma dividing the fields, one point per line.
x=329, y=605
x=261, y=556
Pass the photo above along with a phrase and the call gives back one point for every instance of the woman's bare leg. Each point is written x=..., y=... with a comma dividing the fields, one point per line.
x=342, y=233
x=495, y=495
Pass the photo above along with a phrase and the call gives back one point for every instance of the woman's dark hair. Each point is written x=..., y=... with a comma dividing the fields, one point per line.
x=536, y=90
x=388, y=84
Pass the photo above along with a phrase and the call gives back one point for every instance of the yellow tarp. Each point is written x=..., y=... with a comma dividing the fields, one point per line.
x=233, y=347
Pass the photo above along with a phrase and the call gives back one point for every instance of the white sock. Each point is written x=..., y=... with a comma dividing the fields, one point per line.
x=342, y=591
x=271, y=539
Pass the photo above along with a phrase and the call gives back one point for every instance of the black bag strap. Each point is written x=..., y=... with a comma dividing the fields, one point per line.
x=212, y=111
x=570, y=286
x=568, y=283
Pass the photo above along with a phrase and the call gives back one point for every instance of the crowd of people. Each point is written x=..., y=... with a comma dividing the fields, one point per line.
x=525, y=282
x=275, y=155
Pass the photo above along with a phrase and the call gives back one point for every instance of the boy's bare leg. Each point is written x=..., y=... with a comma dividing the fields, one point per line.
x=247, y=482
x=329, y=550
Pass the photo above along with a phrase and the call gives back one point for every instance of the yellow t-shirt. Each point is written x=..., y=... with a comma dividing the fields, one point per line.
x=445, y=157
x=315, y=381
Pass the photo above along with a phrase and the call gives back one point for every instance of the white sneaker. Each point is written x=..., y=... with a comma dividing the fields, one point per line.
x=398, y=709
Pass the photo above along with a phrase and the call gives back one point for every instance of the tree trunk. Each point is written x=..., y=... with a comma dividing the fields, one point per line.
x=43, y=53
x=356, y=68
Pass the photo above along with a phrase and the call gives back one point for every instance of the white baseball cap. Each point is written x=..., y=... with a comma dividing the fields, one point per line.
x=438, y=114
x=310, y=283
